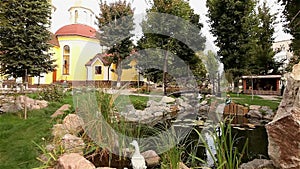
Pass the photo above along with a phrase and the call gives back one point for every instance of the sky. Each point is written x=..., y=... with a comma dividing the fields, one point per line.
x=61, y=15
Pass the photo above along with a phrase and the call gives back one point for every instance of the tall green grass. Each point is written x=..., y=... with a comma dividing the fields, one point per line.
x=227, y=155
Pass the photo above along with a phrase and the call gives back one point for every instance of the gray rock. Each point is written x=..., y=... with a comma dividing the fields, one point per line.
x=158, y=114
x=72, y=144
x=255, y=114
x=166, y=99
x=204, y=108
x=283, y=132
x=204, y=102
x=61, y=110
x=73, y=123
x=59, y=130
x=73, y=161
x=258, y=164
x=151, y=157
x=151, y=103
x=254, y=107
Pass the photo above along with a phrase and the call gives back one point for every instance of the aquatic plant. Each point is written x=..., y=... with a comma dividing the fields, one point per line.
x=227, y=155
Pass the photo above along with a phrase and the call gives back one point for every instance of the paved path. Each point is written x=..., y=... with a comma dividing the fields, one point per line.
x=270, y=97
x=131, y=92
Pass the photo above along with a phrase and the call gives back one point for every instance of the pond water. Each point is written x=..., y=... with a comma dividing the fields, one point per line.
x=241, y=131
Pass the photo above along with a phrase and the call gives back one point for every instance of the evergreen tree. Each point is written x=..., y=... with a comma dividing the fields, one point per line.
x=116, y=24
x=231, y=23
x=155, y=16
x=262, y=53
x=292, y=16
x=24, y=38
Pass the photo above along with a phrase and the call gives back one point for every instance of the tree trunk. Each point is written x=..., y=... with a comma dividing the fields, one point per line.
x=165, y=73
x=119, y=73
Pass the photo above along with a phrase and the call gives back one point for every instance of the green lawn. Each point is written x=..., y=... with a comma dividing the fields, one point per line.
x=17, y=150
x=139, y=102
x=257, y=100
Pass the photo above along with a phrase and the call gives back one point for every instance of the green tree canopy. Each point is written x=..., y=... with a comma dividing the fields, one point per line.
x=24, y=38
x=173, y=36
x=116, y=26
x=261, y=53
x=231, y=23
x=292, y=16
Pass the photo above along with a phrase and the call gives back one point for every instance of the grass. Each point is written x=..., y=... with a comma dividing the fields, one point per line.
x=257, y=100
x=138, y=102
x=17, y=136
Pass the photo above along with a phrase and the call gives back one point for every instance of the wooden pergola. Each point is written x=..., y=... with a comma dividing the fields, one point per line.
x=262, y=84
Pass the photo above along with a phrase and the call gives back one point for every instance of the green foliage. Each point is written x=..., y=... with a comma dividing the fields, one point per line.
x=231, y=25
x=261, y=46
x=139, y=102
x=212, y=65
x=116, y=25
x=48, y=158
x=227, y=156
x=52, y=93
x=166, y=11
x=292, y=16
x=24, y=38
x=169, y=141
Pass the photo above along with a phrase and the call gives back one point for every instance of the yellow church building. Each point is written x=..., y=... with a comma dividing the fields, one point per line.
x=79, y=56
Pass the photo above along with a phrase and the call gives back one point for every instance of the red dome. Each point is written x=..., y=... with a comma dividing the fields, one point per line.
x=77, y=29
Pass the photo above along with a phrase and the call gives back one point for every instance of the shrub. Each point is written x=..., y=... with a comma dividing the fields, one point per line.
x=52, y=93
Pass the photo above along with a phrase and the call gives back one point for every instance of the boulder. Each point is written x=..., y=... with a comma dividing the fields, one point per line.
x=166, y=99
x=59, y=130
x=31, y=103
x=283, y=132
x=296, y=72
x=61, y=110
x=73, y=161
x=151, y=157
x=151, y=103
x=254, y=107
x=72, y=144
x=255, y=114
x=73, y=123
x=258, y=164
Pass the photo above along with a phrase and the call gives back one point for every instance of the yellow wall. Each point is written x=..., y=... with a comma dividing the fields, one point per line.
x=98, y=76
x=83, y=49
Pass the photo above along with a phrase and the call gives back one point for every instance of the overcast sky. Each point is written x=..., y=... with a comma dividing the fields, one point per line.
x=61, y=16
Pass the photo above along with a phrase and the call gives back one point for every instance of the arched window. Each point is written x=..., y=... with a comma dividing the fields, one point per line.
x=66, y=60
x=76, y=16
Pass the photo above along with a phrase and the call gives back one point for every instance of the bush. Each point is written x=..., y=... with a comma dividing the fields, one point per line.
x=52, y=93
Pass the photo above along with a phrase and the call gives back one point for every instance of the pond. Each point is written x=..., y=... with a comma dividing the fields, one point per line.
x=242, y=130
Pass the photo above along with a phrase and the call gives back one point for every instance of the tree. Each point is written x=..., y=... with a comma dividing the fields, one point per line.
x=262, y=54
x=292, y=16
x=116, y=24
x=24, y=38
x=212, y=66
x=231, y=23
x=170, y=12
